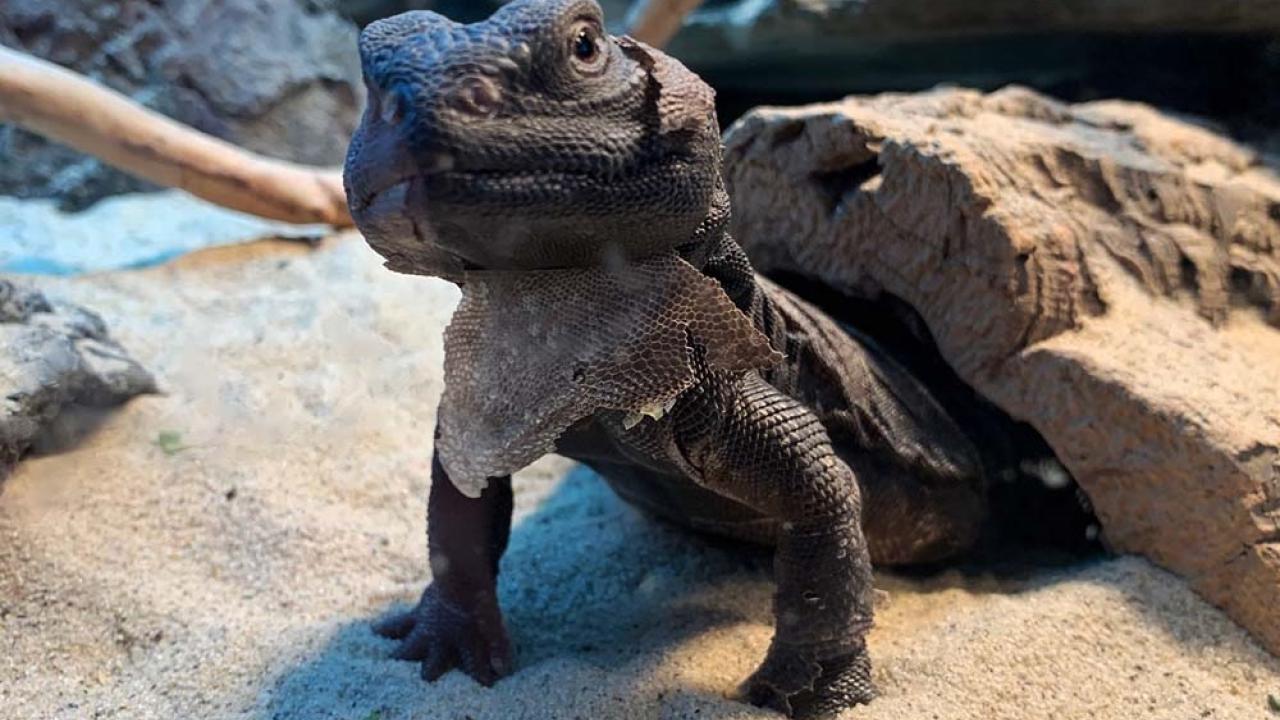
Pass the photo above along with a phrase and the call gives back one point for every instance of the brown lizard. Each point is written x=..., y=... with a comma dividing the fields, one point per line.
x=570, y=182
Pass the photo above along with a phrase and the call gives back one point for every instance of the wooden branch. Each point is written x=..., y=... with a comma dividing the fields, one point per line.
x=657, y=21
x=71, y=109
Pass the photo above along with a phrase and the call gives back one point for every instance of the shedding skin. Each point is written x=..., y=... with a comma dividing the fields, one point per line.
x=539, y=163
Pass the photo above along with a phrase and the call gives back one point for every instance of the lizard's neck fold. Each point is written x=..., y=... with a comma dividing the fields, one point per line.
x=711, y=233
x=528, y=354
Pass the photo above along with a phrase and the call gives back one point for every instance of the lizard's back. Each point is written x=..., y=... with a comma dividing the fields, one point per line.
x=921, y=475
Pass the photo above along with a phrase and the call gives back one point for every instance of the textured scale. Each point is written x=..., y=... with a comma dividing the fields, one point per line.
x=529, y=354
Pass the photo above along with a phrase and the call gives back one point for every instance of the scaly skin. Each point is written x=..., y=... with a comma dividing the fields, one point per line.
x=533, y=141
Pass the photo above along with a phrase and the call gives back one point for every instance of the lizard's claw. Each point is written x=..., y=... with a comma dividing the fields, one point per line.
x=800, y=687
x=442, y=635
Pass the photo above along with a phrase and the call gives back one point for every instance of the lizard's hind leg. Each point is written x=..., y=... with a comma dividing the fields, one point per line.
x=910, y=519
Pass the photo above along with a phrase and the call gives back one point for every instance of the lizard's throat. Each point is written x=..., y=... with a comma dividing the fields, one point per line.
x=528, y=354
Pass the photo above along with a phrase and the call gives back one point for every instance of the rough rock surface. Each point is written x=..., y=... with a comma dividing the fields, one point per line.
x=54, y=355
x=236, y=575
x=279, y=77
x=1104, y=272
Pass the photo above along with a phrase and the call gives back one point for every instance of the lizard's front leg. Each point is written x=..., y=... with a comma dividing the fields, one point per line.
x=756, y=445
x=457, y=623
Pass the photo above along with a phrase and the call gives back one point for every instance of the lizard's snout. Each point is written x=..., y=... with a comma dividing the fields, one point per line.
x=396, y=143
x=386, y=103
x=475, y=95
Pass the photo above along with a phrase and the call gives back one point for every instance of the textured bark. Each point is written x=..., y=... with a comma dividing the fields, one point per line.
x=1102, y=271
x=53, y=355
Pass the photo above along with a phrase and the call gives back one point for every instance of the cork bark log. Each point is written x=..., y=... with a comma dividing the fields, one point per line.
x=1109, y=274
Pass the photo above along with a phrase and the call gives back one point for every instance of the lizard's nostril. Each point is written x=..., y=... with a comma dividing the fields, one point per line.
x=387, y=103
x=391, y=111
x=479, y=96
x=384, y=99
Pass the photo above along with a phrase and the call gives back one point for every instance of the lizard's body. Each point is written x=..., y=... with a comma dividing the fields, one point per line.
x=941, y=498
x=531, y=158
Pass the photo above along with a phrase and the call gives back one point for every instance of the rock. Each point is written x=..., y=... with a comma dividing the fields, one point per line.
x=54, y=355
x=281, y=78
x=1104, y=272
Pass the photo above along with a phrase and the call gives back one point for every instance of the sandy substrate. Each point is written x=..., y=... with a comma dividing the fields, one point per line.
x=233, y=570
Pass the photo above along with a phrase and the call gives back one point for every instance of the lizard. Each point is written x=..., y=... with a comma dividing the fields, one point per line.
x=569, y=181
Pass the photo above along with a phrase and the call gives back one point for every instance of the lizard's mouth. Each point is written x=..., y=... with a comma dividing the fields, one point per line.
x=477, y=185
x=509, y=191
x=526, y=219
x=364, y=193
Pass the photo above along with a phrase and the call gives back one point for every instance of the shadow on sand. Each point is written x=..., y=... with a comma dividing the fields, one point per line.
x=593, y=592
x=606, y=607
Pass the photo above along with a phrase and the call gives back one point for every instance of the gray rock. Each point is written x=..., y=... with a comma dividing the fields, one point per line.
x=55, y=355
x=281, y=78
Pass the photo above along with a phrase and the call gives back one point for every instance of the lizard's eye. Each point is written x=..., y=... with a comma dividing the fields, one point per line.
x=585, y=46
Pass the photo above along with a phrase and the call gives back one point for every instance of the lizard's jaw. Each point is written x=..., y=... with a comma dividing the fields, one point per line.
x=533, y=219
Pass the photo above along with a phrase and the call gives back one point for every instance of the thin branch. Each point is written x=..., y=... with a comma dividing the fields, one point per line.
x=656, y=21
x=73, y=110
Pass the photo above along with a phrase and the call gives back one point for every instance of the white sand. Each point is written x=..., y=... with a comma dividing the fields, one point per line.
x=237, y=577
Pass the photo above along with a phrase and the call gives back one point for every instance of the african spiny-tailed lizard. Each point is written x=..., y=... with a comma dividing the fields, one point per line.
x=570, y=182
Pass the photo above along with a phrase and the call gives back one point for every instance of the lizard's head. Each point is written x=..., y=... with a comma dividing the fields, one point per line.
x=532, y=139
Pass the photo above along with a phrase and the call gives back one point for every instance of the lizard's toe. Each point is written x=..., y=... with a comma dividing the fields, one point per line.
x=416, y=645
x=809, y=689
x=397, y=626
x=442, y=636
x=436, y=663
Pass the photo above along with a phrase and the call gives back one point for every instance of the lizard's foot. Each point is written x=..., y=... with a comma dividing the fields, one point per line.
x=443, y=635
x=799, y=686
